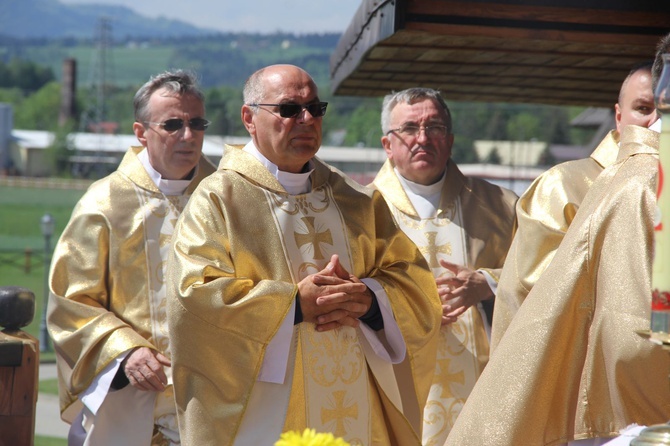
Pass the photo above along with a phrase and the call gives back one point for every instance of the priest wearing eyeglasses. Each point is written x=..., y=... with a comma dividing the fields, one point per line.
x=107, y=304
x=292, y=293
x=463, y=226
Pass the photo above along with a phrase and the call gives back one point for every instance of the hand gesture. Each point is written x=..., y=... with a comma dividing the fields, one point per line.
x=144, y=369
x=333, y=297
x=461, y=291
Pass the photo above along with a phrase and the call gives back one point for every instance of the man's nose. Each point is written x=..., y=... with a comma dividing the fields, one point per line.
x=422, y=134
x=304, y=116
x=187, y=132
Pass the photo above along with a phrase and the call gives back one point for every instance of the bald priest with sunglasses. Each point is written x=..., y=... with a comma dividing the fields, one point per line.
x=291, y=293
x=107, y=304
x=463, y=226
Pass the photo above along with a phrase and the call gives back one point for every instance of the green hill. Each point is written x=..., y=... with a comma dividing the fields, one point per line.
x=221, y=59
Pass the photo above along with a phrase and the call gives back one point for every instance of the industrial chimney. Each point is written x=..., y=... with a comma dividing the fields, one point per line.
x=6, y=124
x=68, y=106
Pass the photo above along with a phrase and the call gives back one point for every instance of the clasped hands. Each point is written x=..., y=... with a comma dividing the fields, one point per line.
x=461, y=291
x=333, y=298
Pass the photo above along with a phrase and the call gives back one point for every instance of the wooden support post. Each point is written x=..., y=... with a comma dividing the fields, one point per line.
x=18, y=387
x=19, y=361
x=28, y=261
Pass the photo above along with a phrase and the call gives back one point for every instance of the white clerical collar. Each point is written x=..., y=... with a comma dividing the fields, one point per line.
x=424, y=198
x=294, y=183
x=656, y=126
x=167, y=187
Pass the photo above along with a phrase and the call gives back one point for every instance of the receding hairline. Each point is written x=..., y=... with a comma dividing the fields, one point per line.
x=645, y=66
x=255, y=86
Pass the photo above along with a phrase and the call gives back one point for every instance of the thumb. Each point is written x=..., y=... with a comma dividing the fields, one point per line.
x=163, y=359
x=453, y=267
x=338, y=269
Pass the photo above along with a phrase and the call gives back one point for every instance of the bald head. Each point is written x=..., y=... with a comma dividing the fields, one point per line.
x=288, y=140
x=257, y=84
x=636, y=100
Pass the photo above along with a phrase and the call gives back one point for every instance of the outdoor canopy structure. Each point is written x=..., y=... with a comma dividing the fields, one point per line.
x=561, y=52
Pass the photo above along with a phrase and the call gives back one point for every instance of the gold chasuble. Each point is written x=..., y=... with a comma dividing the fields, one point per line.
x=544, y=213
x=242, y=245
x=571, y=365
x=107, y=280
x=474, y=226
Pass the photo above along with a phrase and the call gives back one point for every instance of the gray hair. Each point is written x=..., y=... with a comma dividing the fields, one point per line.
x=254, y=89
x=411, y=96
x=177, y=83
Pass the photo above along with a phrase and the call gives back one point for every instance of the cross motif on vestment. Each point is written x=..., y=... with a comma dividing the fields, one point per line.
x=313, y=237
x=339, y=413
x=445, y=378
x=432, y=249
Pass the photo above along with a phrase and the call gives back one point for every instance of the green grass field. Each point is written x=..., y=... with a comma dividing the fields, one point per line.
x=20, y=212
x=50, y=441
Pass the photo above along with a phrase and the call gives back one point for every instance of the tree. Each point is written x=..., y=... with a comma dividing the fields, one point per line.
x=12, y=96
x=26, y=75
x=223, y=109
x=39, y=111
x=493, y=157
x=57, y=155
x=364, y=127
x=523, y=126
x=547, y=158
x=558, y=126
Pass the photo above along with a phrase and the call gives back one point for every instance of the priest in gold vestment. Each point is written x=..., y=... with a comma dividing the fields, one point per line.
x=571, y=365
x=292, y=293
x=107, y=304
x=547, y=208
x=461, y=225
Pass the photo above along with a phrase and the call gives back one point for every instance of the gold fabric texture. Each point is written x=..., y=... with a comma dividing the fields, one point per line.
x=105, y=299
x=571, y=365
x=474, y=226
x=544, y=213
x=233, y=279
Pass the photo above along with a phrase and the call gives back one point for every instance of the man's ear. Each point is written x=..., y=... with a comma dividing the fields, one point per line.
x=248, y=119
x=450, y=140
x=386, y=144
x=617, y=116
x=139, y=131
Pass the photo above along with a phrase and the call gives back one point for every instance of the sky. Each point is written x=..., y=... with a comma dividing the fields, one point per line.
x=263, y=16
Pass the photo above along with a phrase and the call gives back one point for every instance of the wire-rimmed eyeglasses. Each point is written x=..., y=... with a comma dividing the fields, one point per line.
x=411, y=130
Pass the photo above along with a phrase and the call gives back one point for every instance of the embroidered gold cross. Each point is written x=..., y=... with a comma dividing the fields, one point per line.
x=431, y=250
x=446, y=379
x=313, y=237
x=339, y=413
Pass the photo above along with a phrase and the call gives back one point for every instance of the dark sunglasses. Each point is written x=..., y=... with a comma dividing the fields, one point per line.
x=174, y=124
x=290, y=110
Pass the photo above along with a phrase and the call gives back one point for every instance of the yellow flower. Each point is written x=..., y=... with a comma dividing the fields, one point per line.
x=309, y=438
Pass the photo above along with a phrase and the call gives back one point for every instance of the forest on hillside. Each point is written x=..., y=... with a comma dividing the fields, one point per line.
x=108, y=76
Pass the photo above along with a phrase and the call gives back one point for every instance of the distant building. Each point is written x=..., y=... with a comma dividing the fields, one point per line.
x=511, y=153
x=90, y=150
x=517, y=164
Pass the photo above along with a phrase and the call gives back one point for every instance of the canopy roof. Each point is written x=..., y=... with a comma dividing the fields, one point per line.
x=564, y=52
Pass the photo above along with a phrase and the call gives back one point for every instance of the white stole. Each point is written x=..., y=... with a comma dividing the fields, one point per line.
x=105, y=410
x=439, y=234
